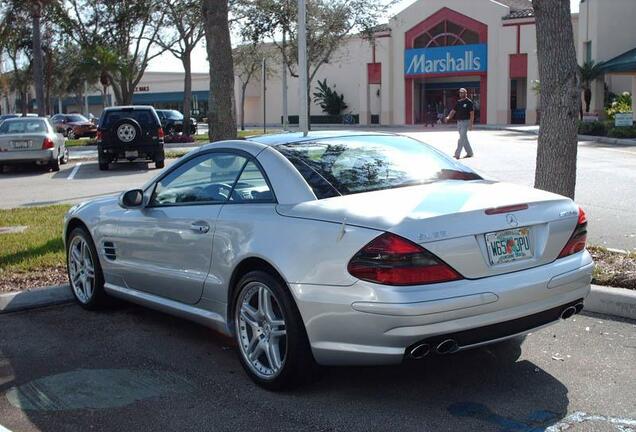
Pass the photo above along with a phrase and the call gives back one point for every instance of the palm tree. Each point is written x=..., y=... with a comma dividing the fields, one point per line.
x=589, y=71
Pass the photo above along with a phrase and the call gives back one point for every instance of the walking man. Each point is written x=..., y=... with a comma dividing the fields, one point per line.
x=464, y=112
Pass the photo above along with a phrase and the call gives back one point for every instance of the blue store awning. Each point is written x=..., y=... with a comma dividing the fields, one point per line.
x=625, y=62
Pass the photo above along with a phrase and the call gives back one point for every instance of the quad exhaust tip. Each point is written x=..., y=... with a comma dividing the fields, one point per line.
x=420, y=351
x=578, y=307
x=568, y=312
x=448, y=346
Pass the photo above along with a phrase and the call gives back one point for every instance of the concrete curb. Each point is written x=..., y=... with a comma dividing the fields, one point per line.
x=535, y=131
x=604, y=300
x=612, y=301
x=37, y=297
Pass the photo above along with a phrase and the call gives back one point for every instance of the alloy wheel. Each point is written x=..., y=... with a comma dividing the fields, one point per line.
x=81, y=269
x=261, y=330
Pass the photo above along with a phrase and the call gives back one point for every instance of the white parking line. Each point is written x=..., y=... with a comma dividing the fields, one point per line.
x=4, y=429
x=70, y=177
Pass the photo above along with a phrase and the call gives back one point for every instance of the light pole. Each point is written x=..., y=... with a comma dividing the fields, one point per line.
x=303, y=120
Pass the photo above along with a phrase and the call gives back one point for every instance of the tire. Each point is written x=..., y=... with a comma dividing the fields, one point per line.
x=64, y=159
x=160, y=164
x=282, y=361
x=171, y=131
x=80, y=255
x=54, y=165
x=126, y=131
x=508, y=350
x=103, y=166
x=70, y=134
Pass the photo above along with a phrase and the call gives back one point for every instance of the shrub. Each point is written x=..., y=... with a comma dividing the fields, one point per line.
x=622, y=104
x=329, y=100
x=622, y=132
x=596, y=128
x=178, y=139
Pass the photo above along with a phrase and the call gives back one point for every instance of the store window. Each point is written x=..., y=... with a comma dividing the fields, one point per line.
x=446, y=33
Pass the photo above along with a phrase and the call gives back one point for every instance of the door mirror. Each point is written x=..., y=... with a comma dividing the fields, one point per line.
x=132, y=199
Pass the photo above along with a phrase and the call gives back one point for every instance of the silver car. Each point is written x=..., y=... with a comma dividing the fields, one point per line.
x=338, y=248
x=31, y=139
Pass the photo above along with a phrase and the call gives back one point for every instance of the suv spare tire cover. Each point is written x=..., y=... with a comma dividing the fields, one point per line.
x=126, y=131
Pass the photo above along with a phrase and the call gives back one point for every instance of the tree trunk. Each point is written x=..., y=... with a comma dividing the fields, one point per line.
x=38, y=66
x=221, y=113
x=560, y=98
x=243, y=89
x=187, y=92
x=587, y=96
x=284, y=83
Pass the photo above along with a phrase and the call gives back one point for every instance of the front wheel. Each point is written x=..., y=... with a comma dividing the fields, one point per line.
x=271, y=337
x=64, y=159
x=70, y=134
x=84, y=270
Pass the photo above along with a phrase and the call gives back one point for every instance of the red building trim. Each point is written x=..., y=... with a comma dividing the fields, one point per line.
x=409, y=39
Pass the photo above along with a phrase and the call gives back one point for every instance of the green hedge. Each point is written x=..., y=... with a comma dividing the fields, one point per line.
x=622, y=132
x=597, y=128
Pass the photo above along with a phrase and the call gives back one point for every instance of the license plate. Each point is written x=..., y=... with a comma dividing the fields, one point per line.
x=509, y=245
x=131, y=154
x=20, y=144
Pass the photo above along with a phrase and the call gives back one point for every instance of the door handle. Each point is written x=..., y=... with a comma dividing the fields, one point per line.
x=200, y=227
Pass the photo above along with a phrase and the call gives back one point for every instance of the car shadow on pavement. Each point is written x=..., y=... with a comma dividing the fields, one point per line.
x=27, y=170
x=481, y=389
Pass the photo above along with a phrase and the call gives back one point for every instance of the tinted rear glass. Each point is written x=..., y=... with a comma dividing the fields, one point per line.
x=145, y=118
x=173, y=115
x=23, y=126
x=349, y=165
x=76, y=118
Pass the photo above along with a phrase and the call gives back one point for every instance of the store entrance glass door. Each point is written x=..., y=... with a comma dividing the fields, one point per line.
x=436, y=99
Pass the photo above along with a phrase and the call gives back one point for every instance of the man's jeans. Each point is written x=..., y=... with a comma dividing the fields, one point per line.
x=462, y=127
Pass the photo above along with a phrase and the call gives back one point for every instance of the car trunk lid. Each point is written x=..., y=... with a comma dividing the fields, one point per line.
x=21, y=142
x=449, y=219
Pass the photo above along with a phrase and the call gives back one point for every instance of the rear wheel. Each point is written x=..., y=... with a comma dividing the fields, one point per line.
x=64, y=159
x=84, y=270
x=103, y=163
x=271, y=337
x=160, y=164
x=54, y=165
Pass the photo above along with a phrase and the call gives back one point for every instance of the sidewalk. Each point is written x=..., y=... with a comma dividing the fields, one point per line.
x=534, y=130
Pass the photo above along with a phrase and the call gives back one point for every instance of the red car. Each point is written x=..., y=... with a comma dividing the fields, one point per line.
x=74, y=126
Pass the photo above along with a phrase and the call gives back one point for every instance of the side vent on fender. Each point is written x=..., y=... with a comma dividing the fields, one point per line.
x=109, y=250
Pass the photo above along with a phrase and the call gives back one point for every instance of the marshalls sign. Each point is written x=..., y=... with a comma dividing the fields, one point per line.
x=444, y=60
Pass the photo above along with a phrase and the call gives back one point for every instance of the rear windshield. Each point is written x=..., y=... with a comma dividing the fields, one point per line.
x=350, y=165
x=23, y=126
x=173, y=115
x=76, y=118
x=145, y=118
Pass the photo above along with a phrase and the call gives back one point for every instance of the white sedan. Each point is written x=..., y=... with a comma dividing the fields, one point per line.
x=337, y=248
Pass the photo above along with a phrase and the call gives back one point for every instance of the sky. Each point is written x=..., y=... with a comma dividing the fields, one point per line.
x=168, y=63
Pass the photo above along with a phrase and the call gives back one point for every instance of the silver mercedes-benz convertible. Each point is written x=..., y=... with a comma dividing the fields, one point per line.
x=338, y=248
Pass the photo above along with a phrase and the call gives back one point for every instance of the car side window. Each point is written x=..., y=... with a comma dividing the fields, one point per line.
x=206, y=179
x=252, y=186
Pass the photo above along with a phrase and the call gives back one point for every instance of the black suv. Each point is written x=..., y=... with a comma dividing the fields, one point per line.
x=172, y=122
x=129, y=132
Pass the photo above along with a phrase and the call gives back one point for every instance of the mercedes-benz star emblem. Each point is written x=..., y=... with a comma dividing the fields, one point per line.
x=512, y=220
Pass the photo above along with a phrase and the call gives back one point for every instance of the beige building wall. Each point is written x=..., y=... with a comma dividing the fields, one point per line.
x=609, y=25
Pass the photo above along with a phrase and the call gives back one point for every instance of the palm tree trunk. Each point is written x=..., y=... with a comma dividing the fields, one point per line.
x=38, y=70
x=221, y=112
x=187, y=92
x=560, y=98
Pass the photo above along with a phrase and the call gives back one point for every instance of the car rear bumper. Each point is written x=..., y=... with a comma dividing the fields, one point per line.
x=367, y=323
x=146, y=151
x=43, y=156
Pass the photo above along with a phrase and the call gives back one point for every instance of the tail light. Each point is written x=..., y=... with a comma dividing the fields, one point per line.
x=99, y=135
x=393, y=260
x=47, y=143
x=578, y=239
x=160, y=133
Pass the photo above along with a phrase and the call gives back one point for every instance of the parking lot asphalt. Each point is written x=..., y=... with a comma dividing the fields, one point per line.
x=127, y=368
x=605, y=180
